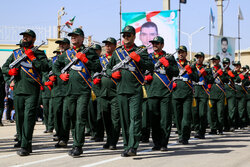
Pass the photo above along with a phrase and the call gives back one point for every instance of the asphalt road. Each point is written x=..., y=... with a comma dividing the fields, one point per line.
x=229, y=150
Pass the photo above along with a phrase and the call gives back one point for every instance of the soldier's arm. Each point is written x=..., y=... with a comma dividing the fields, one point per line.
x=194, y=75
x=5, y=68
x=224, y=77
x=93, y=63
x=209, y=77
x=111, y=64
x=59, y=64
x=172, y=69
x=145, y=62
x=41, y=61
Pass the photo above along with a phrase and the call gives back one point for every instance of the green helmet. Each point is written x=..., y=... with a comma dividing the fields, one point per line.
x=199, y=54
x=246, y=67
x=236, y=63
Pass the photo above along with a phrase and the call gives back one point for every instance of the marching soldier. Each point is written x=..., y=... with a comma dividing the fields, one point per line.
x=201, y=94
x=183, y=94
x=27, y=86
x=2, y=96
x=246, y=70
x=59, y=99
x=107, y=102
x=241, y=81
x=230, y=110
x=159, y=94
x=79, y=85
x=129, y=89
x=94, y=114
x=217, y=97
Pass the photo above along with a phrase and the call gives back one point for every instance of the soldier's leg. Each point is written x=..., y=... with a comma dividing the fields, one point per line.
x=92, y=115
x=242, y=111
x=155, y=120
x=115, y=118
x=186, y=120
x=58, y=111
x=178, y=112
x=106, y=113
x=45, y=102
x=29, y=119
x=231, y=110
x=81, y=119
x=196, y=116
x=66, y=120
x=19, y=114
x=135, y=111
x=248, y=110
x=51, y=116
x=72, y=103
x=99, y=122
x=123, y=104
x=145, y=121
x=213, y=117
x=1, y=108
x=202, y=116
x=220, y=113
x=166, y=120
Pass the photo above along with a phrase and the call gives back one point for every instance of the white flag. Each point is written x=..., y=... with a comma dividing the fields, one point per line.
x=240, y=16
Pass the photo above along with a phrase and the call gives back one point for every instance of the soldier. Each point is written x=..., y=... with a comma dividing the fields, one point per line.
x=59, y=99
x=182, y=95
x=2, y=96
x=201, y=94
x=159, y=94
x=78, y=81
x=246, y=70
x=241, y=81
x=27, y=85
x=230, y=110
x=107, y=102
x=94, y=114
x=129, y=89
x=217, y=97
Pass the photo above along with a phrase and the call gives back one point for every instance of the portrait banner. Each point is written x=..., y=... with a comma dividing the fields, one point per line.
x=225, y=48
x=153, y=23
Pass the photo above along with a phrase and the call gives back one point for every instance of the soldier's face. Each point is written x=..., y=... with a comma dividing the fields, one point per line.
x=129, y=39
x=224, y=46
x=199, y=59
x=225, y=64
x=77, y=40
x=237, y=67
x=110, y=47
x=157, y=46
x=216, y=62
x=63, y=46
x=182, y=55
x=28, y=38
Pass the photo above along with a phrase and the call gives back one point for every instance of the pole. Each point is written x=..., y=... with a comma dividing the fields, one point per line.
x=238, y=39
x=120, y=21
x=220, y=17
x=190, y=47
x=179, y=24
x=166, y=4
x=209, y=52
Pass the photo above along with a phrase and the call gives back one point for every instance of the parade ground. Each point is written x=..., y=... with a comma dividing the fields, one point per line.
x=230, y=150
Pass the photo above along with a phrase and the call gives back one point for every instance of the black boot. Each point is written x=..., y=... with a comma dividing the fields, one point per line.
x=23, y=152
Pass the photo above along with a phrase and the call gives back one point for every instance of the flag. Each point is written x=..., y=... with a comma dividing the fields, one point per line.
x=70, y=22
x=212, y=18
x=240, y=16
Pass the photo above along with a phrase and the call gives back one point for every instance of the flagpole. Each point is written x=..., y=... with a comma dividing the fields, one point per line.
x=238, y=39
x=120, y=21
x=180, y=24
x=210, y=17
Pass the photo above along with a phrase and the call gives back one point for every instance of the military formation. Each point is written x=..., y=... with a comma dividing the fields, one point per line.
x=125, y=90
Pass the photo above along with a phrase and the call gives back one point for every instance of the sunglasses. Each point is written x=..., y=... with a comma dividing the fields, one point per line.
x=126, y=35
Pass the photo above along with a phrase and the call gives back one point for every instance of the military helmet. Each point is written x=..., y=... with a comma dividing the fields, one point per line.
x=128, y=29
x=236, y=63
x=225, y=60
x=246, y=67
x=29, y=32
x=157, y=39
x=77, y=31
x=97, y=47
x=199, y=54
x=183, y=48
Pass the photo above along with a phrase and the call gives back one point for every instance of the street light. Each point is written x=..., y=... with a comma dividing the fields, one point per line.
x=190, y=39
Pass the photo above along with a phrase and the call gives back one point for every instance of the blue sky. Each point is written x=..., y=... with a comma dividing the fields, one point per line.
x=101, y=19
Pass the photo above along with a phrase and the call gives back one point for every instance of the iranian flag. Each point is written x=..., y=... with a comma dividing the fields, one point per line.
x=70, y=22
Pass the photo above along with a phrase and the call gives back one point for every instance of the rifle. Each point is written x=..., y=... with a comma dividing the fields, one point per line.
x=20, y=60
x=101, y=74
x=124, y=64
x=182, y=72
x=74, y=61
x=158, y=64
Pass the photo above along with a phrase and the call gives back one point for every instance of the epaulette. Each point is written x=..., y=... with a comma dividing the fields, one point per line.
x=142, y=46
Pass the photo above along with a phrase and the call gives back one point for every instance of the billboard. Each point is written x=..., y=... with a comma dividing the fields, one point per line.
x=225, y=47
x=153, y=23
